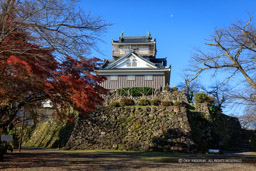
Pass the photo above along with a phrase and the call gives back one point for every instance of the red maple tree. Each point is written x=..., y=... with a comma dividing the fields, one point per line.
x=30, y=74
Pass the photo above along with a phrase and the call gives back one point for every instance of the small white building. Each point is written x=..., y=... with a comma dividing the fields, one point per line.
x=47, y=104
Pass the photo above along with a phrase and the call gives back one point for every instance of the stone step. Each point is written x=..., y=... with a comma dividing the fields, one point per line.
x=240, y=142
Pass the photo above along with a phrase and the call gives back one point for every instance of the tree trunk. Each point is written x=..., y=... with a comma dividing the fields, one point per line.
x=21, y=131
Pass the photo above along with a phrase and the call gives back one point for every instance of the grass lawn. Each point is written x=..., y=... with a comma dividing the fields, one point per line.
x=147, y=156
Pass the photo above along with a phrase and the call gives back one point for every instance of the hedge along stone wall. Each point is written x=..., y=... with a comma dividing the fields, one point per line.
x=171, y=96
x=144, y=129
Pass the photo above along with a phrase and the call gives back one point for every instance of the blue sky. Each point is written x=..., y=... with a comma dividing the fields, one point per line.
x=179, y=26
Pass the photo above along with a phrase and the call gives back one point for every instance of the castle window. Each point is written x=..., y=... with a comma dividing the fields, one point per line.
x=128, y=64
x=148, y=77
x=124, y=49
x=144, y=50
x=131, y=63
x=134, y=63
x=131, y=77
x=113, y=77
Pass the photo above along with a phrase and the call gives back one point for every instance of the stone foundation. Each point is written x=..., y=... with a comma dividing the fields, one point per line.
x=152, y=129
x=144, y=129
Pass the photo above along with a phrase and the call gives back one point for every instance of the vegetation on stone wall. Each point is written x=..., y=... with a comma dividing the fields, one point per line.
x=47, y=134
x=167, y=88
x=179, y=104
x=202, y=97
x=155, y=102
x=143, y=102
x=114, y=104
x=166, y=103
x=174, y=89
x=127, y=102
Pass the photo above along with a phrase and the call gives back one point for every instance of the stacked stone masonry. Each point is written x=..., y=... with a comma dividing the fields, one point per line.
x=150, y=129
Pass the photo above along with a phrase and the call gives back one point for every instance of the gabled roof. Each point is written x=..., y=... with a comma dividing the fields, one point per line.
x=112, y=65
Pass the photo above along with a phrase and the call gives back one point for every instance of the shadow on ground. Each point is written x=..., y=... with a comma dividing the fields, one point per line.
x=49, y=159
x=79, y=161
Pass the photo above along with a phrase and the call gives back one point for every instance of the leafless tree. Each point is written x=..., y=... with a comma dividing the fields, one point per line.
x=248, y=120
x=232, y=51
x=190, y=87
x=221, y=94
x=58, y=24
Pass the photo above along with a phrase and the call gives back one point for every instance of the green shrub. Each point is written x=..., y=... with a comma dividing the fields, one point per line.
x=126, y=102
x=114, y=104
x=213, y=109
x=202, y=97
x=143, y=102
x=166, y=103
x=179, y=104
x=135, y=91
x=167, y=88
x=155, y=102
x=174, y=89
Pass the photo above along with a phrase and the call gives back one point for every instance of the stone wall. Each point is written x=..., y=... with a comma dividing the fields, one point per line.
x=144, y=129
x=202, y=107
x=152, y=129
x=209, y=129
x=227, y=127
x=50, y=134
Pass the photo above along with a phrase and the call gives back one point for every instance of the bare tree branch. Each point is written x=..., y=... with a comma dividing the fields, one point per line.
x=234, y=50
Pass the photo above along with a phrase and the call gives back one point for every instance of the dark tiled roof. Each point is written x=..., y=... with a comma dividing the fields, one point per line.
x=137, y=39
x=160, y=62
x=105, y=63
x=134, y=40
x=159, y=65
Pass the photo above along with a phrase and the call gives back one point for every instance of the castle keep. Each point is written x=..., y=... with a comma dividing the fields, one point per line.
x=134, y=64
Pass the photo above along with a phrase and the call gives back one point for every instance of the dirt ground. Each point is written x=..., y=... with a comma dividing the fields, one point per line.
x=48, y=159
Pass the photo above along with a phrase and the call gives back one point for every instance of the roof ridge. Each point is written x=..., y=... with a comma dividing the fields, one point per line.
x=129, y=37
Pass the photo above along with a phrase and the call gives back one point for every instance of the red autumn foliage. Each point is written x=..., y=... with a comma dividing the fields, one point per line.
x=30, y=74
